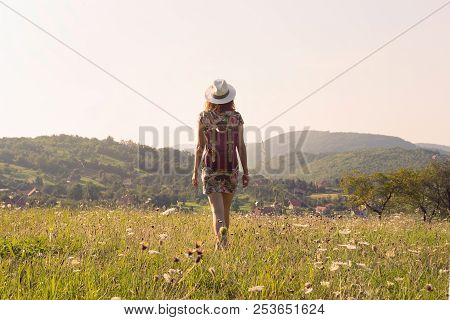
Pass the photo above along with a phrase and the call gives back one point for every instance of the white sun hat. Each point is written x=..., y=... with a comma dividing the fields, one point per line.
x=220, y=92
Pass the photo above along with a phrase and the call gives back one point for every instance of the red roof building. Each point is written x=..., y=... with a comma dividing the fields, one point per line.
x=294, y=203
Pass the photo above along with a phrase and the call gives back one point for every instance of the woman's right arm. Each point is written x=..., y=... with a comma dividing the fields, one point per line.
x=198, y=153
x=242, y=149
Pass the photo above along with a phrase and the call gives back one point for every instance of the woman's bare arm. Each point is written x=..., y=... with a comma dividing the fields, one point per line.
x=198, y=153
x=242, y=149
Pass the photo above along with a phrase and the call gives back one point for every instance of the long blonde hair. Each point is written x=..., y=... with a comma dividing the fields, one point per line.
x=219, y=107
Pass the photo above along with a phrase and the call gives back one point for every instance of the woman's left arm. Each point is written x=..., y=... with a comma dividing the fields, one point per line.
x=198, y=153
x=242, y=149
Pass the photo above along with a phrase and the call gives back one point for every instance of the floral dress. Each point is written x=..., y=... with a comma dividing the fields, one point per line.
x=220, y=167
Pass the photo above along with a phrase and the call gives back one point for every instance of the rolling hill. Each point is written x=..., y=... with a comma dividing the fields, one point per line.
x=434, y=147
x=330, y=167
x=112, y=170
x=107, y=169
x=320, y=142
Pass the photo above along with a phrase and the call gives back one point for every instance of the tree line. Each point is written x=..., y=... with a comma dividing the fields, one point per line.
x=425, y=190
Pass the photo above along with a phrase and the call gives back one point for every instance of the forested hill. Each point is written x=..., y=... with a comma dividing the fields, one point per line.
x=321, y=142
x=74, y=167
x=59, y=165
x=331, y=167
x=434, y=147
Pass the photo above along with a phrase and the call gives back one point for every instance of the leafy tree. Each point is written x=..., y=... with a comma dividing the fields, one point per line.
x=427, y=189
x=374, y=190
x=439, y=169
x=235, y=205
x=76, y=192
x=92, y=191
x=412, y=190
x=38, y=182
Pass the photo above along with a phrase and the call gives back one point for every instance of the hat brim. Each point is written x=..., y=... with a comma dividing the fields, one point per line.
x=230, y=96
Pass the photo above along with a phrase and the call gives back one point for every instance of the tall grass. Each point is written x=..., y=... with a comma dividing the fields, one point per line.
x=100, y=254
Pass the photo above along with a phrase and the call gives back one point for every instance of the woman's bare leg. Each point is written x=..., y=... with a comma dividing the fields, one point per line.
x=227, y=200
x=218, y=213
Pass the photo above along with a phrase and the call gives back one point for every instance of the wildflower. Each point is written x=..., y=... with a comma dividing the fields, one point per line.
x=319, y=265
x=334, y=266
x=300, y=225
x=176, y=259
x=362, y=265
x=348, y=246
x=163, y=236
x=390, y=253
x=175, y=271
x=308, y=288
x=389, y=284
x=256, y=289
x=167, y=278
x=144, y=245
x=325, y=284
x=429, y=287
x=75, y=262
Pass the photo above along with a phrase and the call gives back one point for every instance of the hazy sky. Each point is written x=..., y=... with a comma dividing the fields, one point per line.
x=273, y=52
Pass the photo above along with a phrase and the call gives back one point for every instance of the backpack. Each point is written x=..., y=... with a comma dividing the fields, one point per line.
x=222, y=138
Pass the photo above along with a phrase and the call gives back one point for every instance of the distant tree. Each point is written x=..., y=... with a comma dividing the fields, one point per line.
x=427, y=189
x=92, y=191
x=439, y=170
x=38, y=182
x=235, y=205
x=76, y=192
x=374, y=190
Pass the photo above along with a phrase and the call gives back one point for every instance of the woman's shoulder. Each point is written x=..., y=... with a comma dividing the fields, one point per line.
x=237, y=115
x=204, y=117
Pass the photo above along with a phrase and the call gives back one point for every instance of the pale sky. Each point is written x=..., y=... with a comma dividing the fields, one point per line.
x=273, y=52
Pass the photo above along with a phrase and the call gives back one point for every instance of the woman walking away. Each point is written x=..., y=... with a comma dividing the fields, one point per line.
x=220, y=137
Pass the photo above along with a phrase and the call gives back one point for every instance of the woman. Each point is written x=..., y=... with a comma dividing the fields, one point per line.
x=220, y=137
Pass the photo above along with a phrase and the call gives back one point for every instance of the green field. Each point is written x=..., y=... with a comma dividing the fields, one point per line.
x=325, y=196
x=99, y=254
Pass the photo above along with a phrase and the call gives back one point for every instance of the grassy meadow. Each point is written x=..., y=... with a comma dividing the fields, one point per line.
x=101, y=254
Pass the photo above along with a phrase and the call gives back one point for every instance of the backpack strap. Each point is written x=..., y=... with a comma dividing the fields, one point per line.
x=212, y=139
x=230, y=143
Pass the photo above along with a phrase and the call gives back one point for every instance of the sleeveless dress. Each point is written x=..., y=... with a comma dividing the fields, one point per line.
x=220, y=166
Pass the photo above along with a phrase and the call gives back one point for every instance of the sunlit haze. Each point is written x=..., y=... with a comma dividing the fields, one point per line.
x=273, y=52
